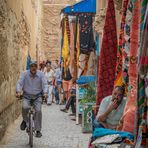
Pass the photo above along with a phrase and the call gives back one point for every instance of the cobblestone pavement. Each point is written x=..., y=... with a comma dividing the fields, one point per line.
x=58, y=132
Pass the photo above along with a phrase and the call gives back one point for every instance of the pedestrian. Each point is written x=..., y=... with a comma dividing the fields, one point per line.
x=66, y=81
x=49, y=74
x=32, y=85
x=58, y=83
x=71, y=101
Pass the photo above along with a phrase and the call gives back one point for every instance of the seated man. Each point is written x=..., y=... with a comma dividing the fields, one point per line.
x=111, y=109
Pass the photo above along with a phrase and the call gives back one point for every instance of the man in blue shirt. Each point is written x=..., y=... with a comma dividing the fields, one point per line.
x=33, y=85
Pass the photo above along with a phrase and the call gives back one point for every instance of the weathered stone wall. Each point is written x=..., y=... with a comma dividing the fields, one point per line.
x=51, y=31
x=18, y=33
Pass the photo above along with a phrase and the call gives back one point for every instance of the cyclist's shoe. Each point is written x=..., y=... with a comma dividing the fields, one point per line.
x=38, y=134
x=23, y=125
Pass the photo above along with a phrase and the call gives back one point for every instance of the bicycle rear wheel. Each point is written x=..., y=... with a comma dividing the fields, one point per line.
x=31, y=130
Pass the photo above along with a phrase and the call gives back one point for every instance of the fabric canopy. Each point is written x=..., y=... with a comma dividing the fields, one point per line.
x=85, y=6
x=85, y=80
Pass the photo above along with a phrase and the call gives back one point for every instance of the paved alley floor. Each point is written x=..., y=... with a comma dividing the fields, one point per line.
x=59, y=131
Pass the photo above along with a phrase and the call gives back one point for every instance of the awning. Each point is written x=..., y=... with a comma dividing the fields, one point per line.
x=84, y=6
x=85, y=80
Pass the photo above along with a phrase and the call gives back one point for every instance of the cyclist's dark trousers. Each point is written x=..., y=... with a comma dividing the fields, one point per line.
x=38, y=114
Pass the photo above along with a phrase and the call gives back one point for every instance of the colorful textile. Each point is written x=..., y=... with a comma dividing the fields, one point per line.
x=92, y=67
x=99, y=132
x=108, y=54
x=144, y=49
x=72, y=65
x=83, y=65
x=142, y=112
x=142, y=100
x=65, y=48
x=143, y=10
x=118, y=80
x=130, y=108
x=67, y=28
x=77, y=46
x=86, y=33
x=126, y=44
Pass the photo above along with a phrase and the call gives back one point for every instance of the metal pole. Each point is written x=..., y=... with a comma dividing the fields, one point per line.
x=77, y=104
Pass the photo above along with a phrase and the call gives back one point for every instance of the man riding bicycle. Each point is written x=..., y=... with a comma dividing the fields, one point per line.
x=34, y=85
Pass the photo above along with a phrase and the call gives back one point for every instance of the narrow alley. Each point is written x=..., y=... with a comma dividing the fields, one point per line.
x=73, y=73
x=59, y=131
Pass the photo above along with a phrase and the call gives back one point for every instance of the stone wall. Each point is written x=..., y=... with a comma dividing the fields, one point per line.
x=51, y=31
x=19, y=29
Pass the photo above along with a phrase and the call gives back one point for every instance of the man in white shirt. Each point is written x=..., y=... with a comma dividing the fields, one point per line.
x=111, y=109
x=49, y=74
x=58, y=83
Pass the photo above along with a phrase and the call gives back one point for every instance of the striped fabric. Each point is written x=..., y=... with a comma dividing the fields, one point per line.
x=142, y=100
x=143, y=10
x=67, y=28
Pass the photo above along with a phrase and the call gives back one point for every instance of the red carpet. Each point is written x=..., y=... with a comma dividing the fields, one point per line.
x=108, y=55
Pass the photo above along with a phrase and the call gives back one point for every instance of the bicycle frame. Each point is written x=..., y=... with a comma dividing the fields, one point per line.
x=31, y=119
x=31, y=123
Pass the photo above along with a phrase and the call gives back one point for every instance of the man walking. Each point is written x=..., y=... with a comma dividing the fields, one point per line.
x=49, y=74
x=33, y=85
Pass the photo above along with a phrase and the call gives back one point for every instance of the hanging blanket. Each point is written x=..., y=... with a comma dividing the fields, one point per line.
x=108, y=54
x=86, y=33
x=130, y=108
x=126, y=44
x=65, y=47
x=72, y=65
x=119, y=80
x=142, y=100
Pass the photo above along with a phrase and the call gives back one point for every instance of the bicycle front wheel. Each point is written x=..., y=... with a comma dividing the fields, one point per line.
x=31, y=130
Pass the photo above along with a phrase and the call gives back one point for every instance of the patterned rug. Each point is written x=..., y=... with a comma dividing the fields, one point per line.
x=126, y=45
x=87, y=43
x=142, y=100
x=108, y=54
x=119, y=80
x=130, y=108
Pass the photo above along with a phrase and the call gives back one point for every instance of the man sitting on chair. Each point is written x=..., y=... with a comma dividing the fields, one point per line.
x=111, y=109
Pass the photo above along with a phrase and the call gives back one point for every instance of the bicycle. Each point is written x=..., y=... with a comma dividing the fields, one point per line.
x=30, y=129
x=31, y=123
